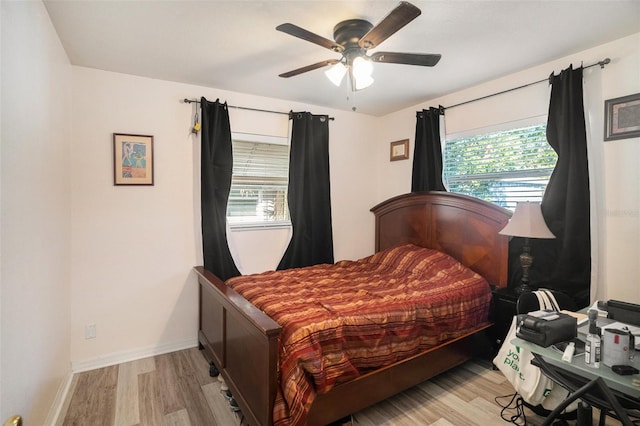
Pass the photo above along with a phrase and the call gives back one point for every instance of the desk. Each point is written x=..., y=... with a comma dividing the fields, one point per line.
x=600, y=387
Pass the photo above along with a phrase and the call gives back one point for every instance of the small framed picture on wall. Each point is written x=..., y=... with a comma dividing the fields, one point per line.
x=399, y=150
x=622, y=117
x=132, y=159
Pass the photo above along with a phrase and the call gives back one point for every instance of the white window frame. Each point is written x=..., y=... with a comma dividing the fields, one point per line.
x=261, y=224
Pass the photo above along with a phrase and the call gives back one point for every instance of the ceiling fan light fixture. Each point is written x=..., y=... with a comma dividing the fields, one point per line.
x=362, y=69
x=363, y=82
x=336, y=73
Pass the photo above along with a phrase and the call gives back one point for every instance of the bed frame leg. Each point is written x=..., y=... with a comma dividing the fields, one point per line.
x=213, y=370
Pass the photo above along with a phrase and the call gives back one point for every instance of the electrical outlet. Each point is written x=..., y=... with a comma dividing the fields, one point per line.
x=90, y=331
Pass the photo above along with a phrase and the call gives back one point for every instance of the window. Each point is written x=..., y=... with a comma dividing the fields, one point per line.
x=259, y=183
x=500, y=166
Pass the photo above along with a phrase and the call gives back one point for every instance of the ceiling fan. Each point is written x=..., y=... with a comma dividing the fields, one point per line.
x=352, y=38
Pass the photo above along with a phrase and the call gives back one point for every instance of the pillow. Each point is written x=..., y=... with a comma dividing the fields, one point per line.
x=413, y=259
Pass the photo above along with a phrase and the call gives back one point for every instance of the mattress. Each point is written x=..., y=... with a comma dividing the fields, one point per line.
x=342, y=320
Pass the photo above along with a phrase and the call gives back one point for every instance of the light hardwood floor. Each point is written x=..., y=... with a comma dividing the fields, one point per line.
x=175, y=390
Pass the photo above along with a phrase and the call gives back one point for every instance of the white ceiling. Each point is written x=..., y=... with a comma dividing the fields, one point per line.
x=233, y=45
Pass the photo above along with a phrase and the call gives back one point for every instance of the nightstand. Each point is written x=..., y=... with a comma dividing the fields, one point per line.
x=503, y=308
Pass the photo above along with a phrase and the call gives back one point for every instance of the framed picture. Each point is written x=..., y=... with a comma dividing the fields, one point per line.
x=132, y=159
x=399, y=150
x=622, y=117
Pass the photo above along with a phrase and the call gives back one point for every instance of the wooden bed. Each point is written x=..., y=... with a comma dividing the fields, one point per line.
x=241, y=341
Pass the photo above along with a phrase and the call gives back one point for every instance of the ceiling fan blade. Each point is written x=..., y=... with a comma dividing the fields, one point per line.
x=296, y=31
x=309, y=68
x=404, y=13
x=425, y=60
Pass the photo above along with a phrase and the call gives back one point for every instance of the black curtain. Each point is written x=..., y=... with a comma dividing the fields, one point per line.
x=309, y=193
x=216, y=168
x=427, y=153
x=564, y=263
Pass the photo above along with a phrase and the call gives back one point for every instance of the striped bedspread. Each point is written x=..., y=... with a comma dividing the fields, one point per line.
x=341, y=320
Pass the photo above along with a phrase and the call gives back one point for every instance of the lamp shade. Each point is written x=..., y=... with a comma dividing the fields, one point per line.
x=527, y=221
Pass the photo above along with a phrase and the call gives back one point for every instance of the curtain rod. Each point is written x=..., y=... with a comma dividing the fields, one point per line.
x=194, y=101
x=442, y=108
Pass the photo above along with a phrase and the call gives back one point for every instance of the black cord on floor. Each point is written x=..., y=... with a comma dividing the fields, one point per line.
x=516, y=403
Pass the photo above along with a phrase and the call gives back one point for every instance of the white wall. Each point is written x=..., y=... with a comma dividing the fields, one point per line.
x=620, y=209
x=35, y=221
x=615, y=175
x=134, y=247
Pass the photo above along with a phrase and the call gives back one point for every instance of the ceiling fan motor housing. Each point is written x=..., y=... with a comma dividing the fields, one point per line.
x=348, y=33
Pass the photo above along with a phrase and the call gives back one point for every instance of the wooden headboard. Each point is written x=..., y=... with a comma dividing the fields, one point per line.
x=462, y=226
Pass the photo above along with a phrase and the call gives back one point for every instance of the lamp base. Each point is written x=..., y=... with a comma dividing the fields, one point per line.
x=526, y=260
x=523, y=288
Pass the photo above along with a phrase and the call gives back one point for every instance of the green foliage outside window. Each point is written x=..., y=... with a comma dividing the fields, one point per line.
x=501, y=167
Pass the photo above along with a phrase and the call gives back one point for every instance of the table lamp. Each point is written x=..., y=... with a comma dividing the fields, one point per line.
x=526, y=222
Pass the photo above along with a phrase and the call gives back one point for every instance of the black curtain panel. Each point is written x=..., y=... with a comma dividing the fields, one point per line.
x=216, y=168
x=564, y=263
x=427, y=153
x=309, y=194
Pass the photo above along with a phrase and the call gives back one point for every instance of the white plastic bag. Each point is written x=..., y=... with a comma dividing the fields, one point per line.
x=515, y=364
x=527, y=379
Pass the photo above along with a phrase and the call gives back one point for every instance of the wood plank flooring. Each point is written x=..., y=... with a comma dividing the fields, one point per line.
x=175, y=390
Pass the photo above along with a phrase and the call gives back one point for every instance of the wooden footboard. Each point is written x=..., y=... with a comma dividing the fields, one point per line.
x=242, y=342
x=374, y=387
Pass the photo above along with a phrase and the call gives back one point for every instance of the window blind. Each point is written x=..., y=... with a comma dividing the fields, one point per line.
x=259, y=184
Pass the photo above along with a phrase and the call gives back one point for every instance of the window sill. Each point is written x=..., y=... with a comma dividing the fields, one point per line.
x=240, y=227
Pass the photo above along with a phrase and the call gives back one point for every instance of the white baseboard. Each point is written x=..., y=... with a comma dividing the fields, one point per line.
x=106, y=361
x=58, y=402
x=132, y=355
